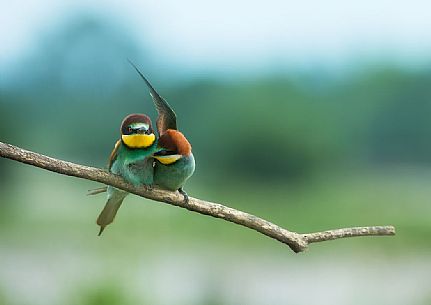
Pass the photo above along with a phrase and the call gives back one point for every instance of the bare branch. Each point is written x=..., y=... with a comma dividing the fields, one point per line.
x=349, y=232
x=296, y=241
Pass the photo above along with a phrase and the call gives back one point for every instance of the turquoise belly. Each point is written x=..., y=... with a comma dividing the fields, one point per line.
x=135, y=165
x=174, y=176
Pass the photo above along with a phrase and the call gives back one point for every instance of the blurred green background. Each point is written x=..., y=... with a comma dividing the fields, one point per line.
x=321, y=144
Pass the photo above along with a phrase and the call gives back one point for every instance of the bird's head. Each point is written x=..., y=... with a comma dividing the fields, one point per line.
x=136, y=131
x=173, y=146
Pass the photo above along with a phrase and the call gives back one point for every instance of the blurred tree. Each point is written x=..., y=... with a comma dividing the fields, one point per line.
x=85, y=54
x=258, y=129
x=79, y=76
x=401, y=129
x=4, y=122
x=78, y=86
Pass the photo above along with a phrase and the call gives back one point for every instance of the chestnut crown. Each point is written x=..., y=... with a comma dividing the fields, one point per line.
x=136, y=124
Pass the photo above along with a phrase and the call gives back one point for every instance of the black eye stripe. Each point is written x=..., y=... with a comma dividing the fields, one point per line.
x=165, y=153
x=128, y=130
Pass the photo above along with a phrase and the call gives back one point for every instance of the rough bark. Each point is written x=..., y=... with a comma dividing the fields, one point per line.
x=296, y=241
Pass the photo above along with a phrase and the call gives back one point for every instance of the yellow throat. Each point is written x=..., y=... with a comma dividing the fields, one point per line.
x=169, y=159
x=138, y=140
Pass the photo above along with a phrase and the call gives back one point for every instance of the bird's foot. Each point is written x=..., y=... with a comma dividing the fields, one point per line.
x=148, y=187
x=183, y=192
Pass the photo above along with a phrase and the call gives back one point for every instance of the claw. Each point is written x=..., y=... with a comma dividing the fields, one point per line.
x=183, y=192
x=101, y=230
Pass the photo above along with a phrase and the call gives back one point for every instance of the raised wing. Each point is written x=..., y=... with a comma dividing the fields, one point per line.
x=167, y=118
x=113, y=155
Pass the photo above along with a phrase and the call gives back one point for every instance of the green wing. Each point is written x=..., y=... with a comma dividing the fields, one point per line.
x=167, y=118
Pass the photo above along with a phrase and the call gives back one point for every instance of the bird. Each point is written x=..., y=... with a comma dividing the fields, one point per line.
x=130, y=159
x=174, y=161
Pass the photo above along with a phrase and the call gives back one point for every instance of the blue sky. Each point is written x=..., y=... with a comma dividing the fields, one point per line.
x=240, y=35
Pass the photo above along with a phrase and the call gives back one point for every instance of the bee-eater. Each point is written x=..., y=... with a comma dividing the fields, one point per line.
x=174, y=161
x=131, y=159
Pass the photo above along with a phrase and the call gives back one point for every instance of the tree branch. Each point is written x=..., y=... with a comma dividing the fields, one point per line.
x=296, y=241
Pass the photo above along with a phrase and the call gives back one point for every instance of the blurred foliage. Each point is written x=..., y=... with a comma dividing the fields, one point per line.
x=401, y=129
x=4, y=121
x=309, y=153
x=102, y=295
x=266, y=128
x=74, y=97
x=3, y=299
x=70, y=95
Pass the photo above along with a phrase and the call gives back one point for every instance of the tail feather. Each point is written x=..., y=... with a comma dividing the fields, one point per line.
x=110, y=210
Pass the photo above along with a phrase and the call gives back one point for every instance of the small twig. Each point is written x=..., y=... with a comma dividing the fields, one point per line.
x=296, y=241
x=97, y=191
x=349, y=232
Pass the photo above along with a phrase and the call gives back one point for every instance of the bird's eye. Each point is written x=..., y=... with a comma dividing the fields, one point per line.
x=129, y=129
